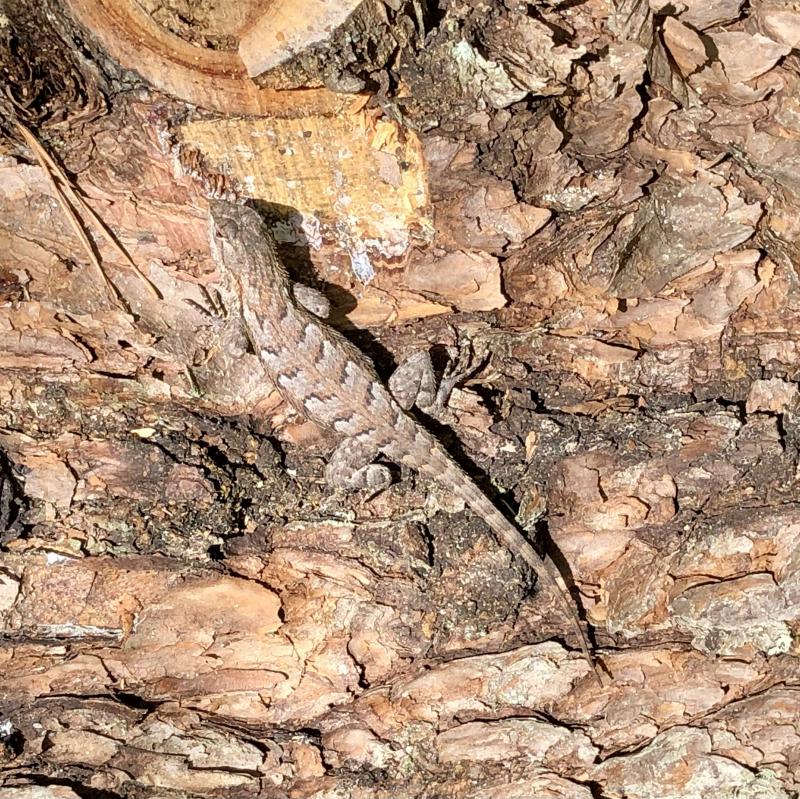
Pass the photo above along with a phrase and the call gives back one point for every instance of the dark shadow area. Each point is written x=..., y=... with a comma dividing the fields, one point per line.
x=296, y=258
x=12, y=503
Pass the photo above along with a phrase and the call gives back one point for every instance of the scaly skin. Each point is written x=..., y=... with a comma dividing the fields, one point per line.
x=331, y=382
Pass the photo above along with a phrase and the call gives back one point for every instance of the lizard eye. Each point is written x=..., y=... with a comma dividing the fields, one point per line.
x=224, y=229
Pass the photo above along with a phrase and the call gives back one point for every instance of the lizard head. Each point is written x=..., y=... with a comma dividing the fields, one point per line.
x=240, y=241
x=228, y=227
x=224, y=222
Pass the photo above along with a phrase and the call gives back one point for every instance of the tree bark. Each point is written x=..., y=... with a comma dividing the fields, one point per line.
x=601, y=201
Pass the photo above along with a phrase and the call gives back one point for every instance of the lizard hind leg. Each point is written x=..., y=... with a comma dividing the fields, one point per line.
x=414, y=382
x=350, y=467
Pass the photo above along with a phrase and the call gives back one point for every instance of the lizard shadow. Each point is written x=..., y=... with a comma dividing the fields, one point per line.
x=294, y=251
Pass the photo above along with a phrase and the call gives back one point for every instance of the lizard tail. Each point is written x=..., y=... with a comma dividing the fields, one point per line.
x=440, y=467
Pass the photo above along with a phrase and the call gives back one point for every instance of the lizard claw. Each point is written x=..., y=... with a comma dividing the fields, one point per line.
x=213, y=308
x=461, y=365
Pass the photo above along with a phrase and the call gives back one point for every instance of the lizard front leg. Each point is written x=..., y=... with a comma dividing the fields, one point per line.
x=351, y=467
x=312, y=300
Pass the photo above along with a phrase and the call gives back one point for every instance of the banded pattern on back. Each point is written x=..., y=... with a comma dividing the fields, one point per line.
x=331, y=382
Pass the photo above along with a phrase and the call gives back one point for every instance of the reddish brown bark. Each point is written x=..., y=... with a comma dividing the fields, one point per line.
x=604, y=201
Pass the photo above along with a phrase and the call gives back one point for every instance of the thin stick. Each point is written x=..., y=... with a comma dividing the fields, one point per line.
x=44, y=161
x=54, y=171
x=120, y=249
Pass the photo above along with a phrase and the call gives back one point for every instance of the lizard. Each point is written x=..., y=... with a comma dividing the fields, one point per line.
x=328, y=380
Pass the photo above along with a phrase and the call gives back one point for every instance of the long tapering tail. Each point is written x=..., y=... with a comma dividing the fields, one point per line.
x=440, y=467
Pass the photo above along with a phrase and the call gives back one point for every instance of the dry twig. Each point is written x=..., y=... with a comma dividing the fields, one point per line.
x=70, y=200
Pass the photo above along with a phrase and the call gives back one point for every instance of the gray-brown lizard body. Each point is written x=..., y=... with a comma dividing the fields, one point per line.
x=332, y=383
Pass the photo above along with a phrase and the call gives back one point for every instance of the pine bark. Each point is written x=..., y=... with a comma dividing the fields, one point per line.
x=602, y=200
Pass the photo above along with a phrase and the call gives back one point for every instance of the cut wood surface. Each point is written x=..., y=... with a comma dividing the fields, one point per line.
x=209, y=77
x=286, y=28
x=602, y=201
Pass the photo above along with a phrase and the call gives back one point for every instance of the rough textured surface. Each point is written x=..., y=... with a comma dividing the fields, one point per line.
x=331, y=383
x=187, y=610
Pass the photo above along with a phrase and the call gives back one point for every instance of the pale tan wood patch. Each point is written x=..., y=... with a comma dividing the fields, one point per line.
x=361, y=177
